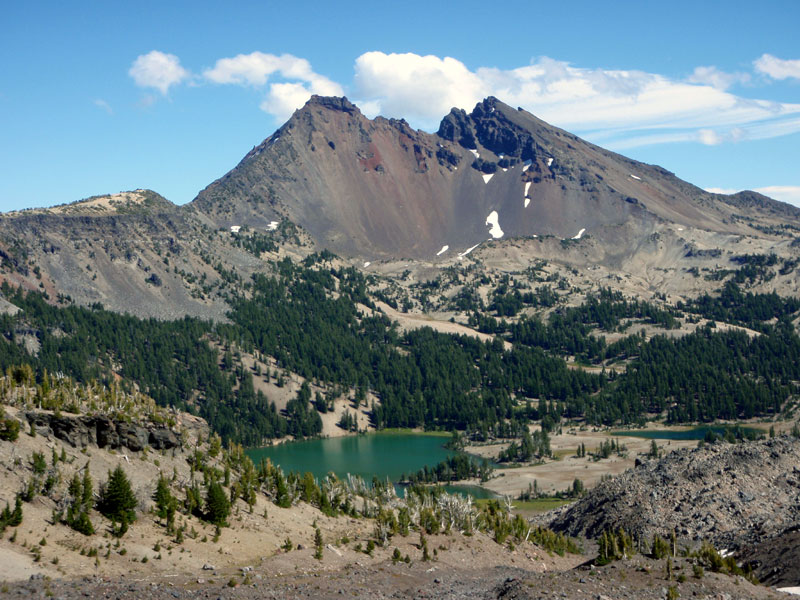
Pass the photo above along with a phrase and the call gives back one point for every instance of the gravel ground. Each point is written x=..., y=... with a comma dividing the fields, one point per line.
x=638, y=578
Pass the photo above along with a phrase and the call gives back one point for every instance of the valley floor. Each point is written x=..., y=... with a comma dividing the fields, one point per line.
x=557, y=475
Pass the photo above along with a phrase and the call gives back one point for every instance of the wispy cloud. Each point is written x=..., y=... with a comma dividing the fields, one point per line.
x=717, y=79
x=622, y=108
x=298, y=79
x=100, y=103
x=777, y=68
x=784, y=193
x=158, y=70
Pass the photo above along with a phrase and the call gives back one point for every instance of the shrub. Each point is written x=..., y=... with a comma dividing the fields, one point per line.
x=9, y=429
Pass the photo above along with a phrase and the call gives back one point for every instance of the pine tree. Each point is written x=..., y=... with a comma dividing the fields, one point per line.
x=653, y=449
x=80, y=489
x=117, y=501
x=163, y=497
x=318, y=543
x=217, y=505
x=16, y=514
x=87, y=493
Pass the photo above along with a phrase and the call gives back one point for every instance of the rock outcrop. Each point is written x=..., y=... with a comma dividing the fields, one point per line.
x=102, y=431
x=733, y=495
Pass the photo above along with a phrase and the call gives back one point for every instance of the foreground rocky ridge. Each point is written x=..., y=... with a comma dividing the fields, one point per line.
x=736, y=496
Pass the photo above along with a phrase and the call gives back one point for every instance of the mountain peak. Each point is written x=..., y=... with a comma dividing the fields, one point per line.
x=340, y=103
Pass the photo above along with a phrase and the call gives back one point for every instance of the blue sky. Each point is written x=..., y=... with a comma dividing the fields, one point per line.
x=102, y=97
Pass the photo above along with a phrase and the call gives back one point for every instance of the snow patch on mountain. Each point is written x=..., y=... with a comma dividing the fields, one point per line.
x=493, y=221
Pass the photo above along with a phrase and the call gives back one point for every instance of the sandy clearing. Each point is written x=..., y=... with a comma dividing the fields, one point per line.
x=557, y=475
x=408, y=322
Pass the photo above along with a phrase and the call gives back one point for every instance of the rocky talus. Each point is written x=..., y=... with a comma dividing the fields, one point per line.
x=736, y=496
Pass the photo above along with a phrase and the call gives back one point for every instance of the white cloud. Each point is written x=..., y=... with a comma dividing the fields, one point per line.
x=257, y=68
x=716, y=78
x=100, y=103
x=370, y=108
x=777, y=68
x=284, y=98
x=157, y=70
x=709, y=137
x=621, y=109
x=419, y=88
x=784, y=193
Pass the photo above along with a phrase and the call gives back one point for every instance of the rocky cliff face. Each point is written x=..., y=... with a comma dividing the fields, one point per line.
x=102, y=431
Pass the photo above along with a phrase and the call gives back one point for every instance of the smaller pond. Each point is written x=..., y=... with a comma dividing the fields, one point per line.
x=695, y=433
x=475, y=491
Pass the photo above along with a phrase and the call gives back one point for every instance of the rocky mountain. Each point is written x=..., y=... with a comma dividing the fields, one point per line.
x=380, y=189
x=377, y=191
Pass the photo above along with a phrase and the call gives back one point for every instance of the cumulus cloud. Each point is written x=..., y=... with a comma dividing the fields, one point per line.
x=777, y=68
x=157, y=70
x=257, y=68
x=417, y=87
x=285, y=98
x=619, y=108
x=717, y=79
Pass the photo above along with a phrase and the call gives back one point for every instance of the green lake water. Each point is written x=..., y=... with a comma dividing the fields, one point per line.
x=380, y=455
x=695, y=433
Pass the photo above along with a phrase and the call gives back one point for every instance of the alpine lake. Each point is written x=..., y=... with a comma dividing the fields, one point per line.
x=694, y=433
x=382, y=455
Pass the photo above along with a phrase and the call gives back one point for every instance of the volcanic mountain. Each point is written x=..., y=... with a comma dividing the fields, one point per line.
x=377, y=190
x=380, y=189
